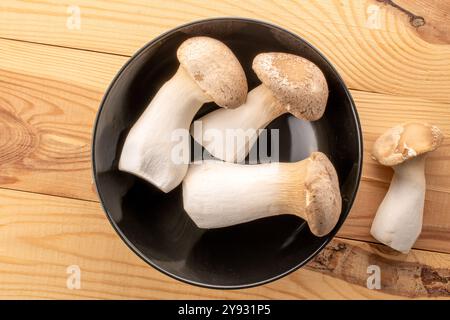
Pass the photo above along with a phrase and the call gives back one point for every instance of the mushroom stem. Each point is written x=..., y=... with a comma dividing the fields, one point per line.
x=262, y=190
x=242, y=125
x=289, y=84
x=242, y=193
x=172, y=108
x=398, y=221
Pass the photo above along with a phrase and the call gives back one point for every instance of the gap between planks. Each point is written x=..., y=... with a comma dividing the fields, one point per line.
x=50, y=195
x=66, y=47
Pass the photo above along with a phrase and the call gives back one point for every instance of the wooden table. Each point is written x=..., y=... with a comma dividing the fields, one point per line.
x=58, y=57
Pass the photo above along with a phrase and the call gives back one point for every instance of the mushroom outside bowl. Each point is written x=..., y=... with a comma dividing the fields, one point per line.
x=153, y=223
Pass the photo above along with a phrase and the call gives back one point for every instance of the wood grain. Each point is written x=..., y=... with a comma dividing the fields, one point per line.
x=48, y=106
x=348, y=260
x=429, y=17
x=396, y=51
x=42, y=235
x=372, y=44
x=47, y=109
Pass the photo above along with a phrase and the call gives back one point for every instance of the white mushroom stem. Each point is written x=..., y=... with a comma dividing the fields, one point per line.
x=150, y=147
x=398, y=221
x=229, y=134
x=220, y=194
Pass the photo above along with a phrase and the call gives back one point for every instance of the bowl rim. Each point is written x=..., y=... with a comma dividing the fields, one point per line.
x=326, y=238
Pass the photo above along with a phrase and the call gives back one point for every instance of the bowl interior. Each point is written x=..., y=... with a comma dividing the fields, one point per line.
x=155, y=225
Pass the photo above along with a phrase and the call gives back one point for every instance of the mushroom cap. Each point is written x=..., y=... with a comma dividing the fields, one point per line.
x=215, y=69
x=296, y=82
x=323, y=197
x=406, y=141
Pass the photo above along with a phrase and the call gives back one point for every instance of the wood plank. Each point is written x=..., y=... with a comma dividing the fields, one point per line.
x=88, y=70
x=42, y=235
x=376, y=46
x=47, y=109
x=48, y=105
x=429, y=17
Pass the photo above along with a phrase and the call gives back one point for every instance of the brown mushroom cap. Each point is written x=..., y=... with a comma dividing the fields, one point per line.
x=406, y=141
x=215, y=69
x=323, y=197
x=296, y=82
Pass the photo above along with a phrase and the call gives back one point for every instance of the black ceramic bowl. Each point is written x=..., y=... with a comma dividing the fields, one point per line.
x=155, y=226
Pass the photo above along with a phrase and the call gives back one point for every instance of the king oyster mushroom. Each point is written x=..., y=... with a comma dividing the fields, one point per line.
x=220, y=194
x=208, y=71
x=289, y=84
x=398, y=221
